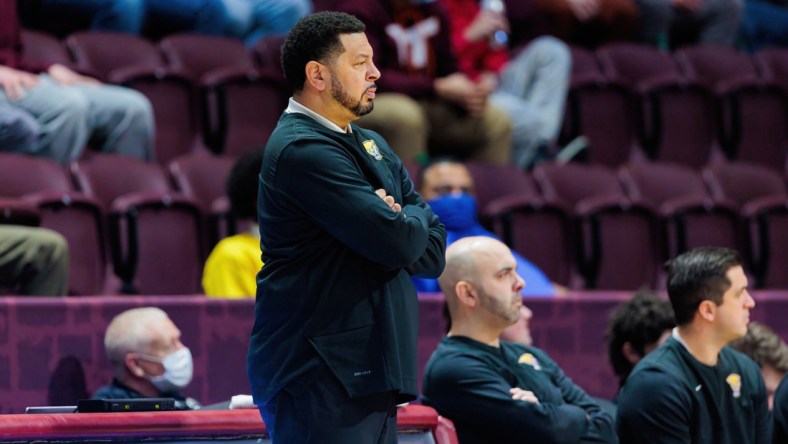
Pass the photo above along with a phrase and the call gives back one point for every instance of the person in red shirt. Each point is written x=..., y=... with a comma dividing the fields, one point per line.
x=425, y=105
x=530, y=85
x=71, y=109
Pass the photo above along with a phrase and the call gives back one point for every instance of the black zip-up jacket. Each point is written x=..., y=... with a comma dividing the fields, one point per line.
x=671, y=397
x=335, y=289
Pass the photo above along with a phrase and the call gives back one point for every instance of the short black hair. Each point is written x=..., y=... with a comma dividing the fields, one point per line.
x=699, y=275
x=315, y=37
x=641, y=321
x=242, y=184
x=438, y=160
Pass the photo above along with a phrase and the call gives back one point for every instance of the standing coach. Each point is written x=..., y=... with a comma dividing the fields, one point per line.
x=333, y=348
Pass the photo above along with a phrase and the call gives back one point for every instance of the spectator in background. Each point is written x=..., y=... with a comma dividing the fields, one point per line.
x=233, y=264
x=425, y=105
x=716, y=21
x=70, y=109
x=33, y=261
x=530, y=86
x=765, y=23
x=769, y=351
x=251, y=20
x=18, y=129
x=694, y=388
x=149, y=361
x=585, y=22
x=636, y=328
x=495, y=391
x=154, y=18
x=447, y=186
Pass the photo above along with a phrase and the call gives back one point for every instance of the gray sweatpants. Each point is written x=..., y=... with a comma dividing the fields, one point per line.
x=69, y=116
x=532, y=91
x=18, y=129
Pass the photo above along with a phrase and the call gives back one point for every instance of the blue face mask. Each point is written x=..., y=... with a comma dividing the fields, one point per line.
x=456, y=211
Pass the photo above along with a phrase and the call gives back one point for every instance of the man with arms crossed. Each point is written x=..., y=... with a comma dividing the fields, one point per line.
x=495, y=391
x=333, y=347
x=695, y=389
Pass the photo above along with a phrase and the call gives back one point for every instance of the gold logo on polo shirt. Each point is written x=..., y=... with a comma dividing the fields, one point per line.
x=734, y=380
x=529, y=359
x=372, y=149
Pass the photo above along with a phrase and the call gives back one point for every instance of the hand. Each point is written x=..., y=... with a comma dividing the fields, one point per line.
x=584, y=10
x=519, y=394
x=67, y=77
x=459, y=89
x=488, y=82
x=484, y=25
x=687, y=5
x=389, y=200
x=15, y=82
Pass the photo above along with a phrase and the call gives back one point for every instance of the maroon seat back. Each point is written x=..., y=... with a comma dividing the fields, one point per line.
x=79, y=218
x=155, y=234
x=616, y=240
x=752, y=111
x=104, y=52
x=677, y=117
x=689, y=216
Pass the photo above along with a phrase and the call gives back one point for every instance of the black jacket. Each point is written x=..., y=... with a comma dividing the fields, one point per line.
x=671, y=397
x=468, y=382
x=335, y=288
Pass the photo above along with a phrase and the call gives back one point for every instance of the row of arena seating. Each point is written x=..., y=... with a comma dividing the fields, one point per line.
x=156, y=227
x=592, y=226
x=694, y=106
x=206, y=92
x=586, y=226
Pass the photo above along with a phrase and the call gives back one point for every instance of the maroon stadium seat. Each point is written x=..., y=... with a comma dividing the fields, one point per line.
x=155, y=233
x=79, y=218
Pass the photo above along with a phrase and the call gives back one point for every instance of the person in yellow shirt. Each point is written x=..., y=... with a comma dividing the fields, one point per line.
x=232, y=266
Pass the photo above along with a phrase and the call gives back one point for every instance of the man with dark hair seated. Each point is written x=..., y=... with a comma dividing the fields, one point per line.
x=495, y=391
x=694, y=388
x=636, y=328
x=148, y=358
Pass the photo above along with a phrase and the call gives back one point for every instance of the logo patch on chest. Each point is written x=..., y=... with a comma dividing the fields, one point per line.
x=372, y=149
x=734, y=380
x=529, y=359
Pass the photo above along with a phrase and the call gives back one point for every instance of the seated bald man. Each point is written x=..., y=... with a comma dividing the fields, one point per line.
x=493, y=390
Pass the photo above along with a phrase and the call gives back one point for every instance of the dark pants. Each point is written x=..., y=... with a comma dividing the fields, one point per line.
x=324, y=413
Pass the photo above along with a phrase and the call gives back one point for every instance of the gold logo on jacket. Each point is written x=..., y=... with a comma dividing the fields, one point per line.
x=529, y=359
x=372, y=149
x=734, y=380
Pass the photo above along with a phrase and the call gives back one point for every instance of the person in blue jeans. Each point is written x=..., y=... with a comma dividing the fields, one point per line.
x=447, y=186
x=158, y=17
x=765, y=23
x=18, y=129
x=252, y=20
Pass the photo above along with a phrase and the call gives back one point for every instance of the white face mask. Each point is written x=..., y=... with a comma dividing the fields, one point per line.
x=178, y=369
